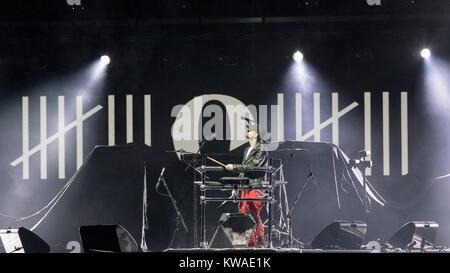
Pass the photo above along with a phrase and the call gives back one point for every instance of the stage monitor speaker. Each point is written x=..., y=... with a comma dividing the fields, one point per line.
x=107, y=238
x=233, y=231
x=341, y=235
x=22, y=240
x=415, y=234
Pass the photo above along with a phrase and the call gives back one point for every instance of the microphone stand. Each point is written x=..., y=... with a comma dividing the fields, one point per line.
x=180, y=218
x=289, y=215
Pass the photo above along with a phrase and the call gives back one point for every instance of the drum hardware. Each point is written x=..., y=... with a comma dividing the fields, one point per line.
x=211, y=169
x=181, y=151
x=233, y=183
x=274, y=177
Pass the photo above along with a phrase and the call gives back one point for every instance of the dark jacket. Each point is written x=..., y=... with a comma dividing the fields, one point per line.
x=256, y=158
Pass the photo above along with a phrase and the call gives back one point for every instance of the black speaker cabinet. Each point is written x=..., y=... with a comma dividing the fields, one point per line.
x=107, y=238
x=22, y=240
x=416, y=234
x=233, y=231
x=341, y=235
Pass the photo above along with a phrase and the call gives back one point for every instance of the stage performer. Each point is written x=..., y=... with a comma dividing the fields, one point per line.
x=254, y=156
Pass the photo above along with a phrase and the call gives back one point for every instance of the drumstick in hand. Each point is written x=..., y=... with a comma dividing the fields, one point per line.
x=216, y=161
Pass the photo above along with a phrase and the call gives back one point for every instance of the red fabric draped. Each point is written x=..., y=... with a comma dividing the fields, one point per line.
x=253, y=207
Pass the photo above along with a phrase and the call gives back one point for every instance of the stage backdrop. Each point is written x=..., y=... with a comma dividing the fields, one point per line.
x=166, y=90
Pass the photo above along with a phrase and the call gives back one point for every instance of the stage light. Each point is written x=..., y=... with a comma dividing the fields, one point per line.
x=425, y=53
x=105, y=60
x=297, y=56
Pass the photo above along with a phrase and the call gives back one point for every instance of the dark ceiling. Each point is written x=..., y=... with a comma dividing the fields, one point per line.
x=22, y=12
x=31, y=30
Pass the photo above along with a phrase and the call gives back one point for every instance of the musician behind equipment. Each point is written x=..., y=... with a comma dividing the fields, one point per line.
x=253, y=156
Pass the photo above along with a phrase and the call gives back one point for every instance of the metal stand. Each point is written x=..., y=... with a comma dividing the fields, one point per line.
x=289, y=215
x=192, y=165
x=203, y=243
x=281, y=225
x=194, y=157
x=270, y=214
x=180, y=218
x=194, y=205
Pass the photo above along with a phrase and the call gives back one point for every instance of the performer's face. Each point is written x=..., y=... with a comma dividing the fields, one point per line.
x=252, y=137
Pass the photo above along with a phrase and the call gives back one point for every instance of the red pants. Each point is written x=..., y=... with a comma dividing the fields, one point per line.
x=253, y=207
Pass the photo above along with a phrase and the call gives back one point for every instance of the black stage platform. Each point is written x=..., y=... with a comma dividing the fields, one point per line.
x=296, y=250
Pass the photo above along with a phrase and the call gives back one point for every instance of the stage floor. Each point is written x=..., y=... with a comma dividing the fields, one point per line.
x=258, y=250
x=297, y=250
